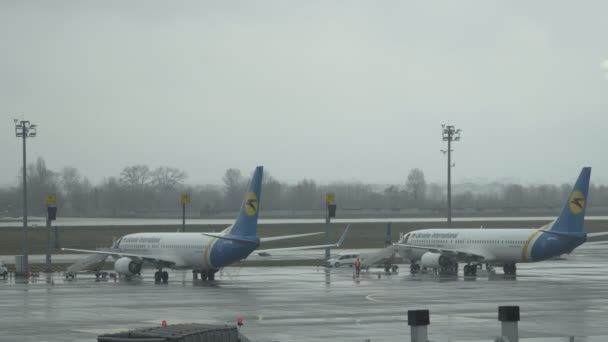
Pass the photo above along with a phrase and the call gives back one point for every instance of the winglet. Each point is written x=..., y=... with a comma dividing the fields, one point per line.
x=343, y=237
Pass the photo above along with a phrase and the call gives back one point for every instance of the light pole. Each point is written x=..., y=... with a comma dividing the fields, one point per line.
x=24, y=129
x=450, y=133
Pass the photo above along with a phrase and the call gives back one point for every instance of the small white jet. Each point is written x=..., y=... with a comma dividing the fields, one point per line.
x=204, y=253
x=442, y=249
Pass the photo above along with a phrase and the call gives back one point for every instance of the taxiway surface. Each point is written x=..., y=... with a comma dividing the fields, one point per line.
x=558, y=299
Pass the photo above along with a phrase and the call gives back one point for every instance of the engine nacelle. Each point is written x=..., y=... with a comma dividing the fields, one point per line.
x=127, y=266
x=433, y=260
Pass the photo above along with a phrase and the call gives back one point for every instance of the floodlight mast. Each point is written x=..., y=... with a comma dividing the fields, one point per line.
x=24, y=129
x=450, y=133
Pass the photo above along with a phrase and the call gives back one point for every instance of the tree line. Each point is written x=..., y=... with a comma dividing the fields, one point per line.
x=143, y=191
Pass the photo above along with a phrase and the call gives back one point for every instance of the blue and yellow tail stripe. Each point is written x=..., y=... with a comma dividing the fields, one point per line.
x=526, y=250
x=207, y=251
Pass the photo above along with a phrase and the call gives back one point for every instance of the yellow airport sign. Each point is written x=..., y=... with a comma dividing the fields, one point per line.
x=185, y=198
x=330, y=197
x=51, y=200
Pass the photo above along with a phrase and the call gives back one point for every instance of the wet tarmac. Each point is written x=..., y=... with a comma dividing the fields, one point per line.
x=558, y=299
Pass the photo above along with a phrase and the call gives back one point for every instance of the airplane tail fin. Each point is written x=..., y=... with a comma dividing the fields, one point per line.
x=571, y=218
x=247, y=222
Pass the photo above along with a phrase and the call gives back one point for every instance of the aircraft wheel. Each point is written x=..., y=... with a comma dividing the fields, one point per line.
x=510, y=269
x=204, y=275
x=211, y=276
x=194, y=275
x=336, y=265
x=394, y=268
x=97, y=275
x=165, y=276
x=157, y=277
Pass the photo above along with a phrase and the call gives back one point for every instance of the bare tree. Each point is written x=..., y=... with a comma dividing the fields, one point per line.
x=514, y=196
x=234, y=183
x=416, y=186
x=135, y=176
x=273, y=192
x=75, y=189
x=165, y=177
x=41, y=182
x=304, y=195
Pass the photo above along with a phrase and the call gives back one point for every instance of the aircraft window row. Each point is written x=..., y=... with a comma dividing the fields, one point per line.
x=143, y=246
x=135, y=246
x=502, y=242
x=181, y=246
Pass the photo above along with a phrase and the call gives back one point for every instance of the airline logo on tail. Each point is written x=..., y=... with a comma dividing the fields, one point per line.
x=251, y=204
x=577, y=202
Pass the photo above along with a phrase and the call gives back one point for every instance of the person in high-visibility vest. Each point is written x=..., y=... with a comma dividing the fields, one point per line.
x=358, y=267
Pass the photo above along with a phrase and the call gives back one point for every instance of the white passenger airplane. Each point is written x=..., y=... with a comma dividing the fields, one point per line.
x=204, y=253
x=442, y=249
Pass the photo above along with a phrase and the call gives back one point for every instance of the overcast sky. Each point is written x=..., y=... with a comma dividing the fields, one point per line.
x=328, y=90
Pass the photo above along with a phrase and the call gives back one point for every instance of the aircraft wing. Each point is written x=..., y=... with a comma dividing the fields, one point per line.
x=369, y=259
x=283, y=237
x=592, y=243
x=155, y=259
x=597, y=234
x=266, y=252
x=90, y=262
x=454, y=253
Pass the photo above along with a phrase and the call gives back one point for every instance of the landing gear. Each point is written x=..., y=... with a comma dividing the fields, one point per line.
x=205, y=275
x=390, y=268
x=510, y=269
x=470, y=270
x=414, y=268
x=161, y=276
x=448, y=270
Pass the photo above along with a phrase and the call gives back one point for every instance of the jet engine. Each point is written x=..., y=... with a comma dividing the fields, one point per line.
x=127, y=266
x=433, y=260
